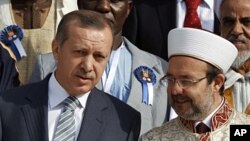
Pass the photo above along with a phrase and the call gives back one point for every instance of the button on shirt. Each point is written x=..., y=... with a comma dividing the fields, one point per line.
x=57, y=95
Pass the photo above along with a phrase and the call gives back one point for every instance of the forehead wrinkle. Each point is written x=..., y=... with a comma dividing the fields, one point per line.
x=93, y=41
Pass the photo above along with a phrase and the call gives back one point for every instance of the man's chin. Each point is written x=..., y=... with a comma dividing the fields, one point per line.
x=80, y=90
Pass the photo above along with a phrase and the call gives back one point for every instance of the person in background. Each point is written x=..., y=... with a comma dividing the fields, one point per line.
x=235, y=27
x=195, y=77
x=37, y=112
x=39, y=20
x=8, y=72
x=131, y=75
x=153, y=19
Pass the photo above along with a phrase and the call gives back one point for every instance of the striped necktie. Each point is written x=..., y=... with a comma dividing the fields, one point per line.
x=65, y=129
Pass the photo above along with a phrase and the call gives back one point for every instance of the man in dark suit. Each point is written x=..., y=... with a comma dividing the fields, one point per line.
x=33, y=112
x=153, y=19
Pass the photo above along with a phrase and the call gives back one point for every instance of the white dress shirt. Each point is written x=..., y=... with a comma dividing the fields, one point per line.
x=205, y=11
x=57, y=95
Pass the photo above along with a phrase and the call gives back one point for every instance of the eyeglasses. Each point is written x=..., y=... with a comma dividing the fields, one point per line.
x=184, y=83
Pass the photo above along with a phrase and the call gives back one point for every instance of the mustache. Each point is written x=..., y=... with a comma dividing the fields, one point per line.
x=241, y=38
x=180, y=97
x=81, y=73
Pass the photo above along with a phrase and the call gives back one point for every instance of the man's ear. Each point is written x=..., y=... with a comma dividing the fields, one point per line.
x=130, y=7
x=55, y=49
x=218, y=82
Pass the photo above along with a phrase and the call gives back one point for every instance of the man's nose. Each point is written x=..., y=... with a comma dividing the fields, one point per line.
x=175, y=87
x=103, y=6
x=87, y=64
x=237, y=28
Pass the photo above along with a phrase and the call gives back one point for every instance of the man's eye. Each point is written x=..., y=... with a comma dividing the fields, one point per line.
x=186, y=82
x=246, y=21
x=170, y=80
x=99, y=57
x=79, y=52
x=227, y=21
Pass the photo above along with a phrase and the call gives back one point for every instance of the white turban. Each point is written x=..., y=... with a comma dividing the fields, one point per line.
x=202, y=45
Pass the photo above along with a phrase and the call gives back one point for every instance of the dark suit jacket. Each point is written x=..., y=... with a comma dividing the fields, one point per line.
x=149, y=23
x=9, y=76
x=24, y=116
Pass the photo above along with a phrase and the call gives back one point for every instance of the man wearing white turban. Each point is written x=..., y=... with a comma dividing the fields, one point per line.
x=195, y=79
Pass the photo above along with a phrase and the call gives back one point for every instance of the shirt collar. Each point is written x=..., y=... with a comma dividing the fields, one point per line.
x=210, y=3
x=208, y=119
x=57, y=94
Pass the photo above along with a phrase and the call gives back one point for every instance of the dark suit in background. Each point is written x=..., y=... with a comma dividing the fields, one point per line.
x=149, y=23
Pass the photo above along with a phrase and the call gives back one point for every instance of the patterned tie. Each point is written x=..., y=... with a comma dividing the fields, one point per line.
x=192, y=19
x=202, y=128
x=65, y=130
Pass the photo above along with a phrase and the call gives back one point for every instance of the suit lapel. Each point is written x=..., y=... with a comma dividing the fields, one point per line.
x=166, y=11
x=93, y=122
x=35, y=122
x=167, y=14
x=216, y=25
x=35, y=112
